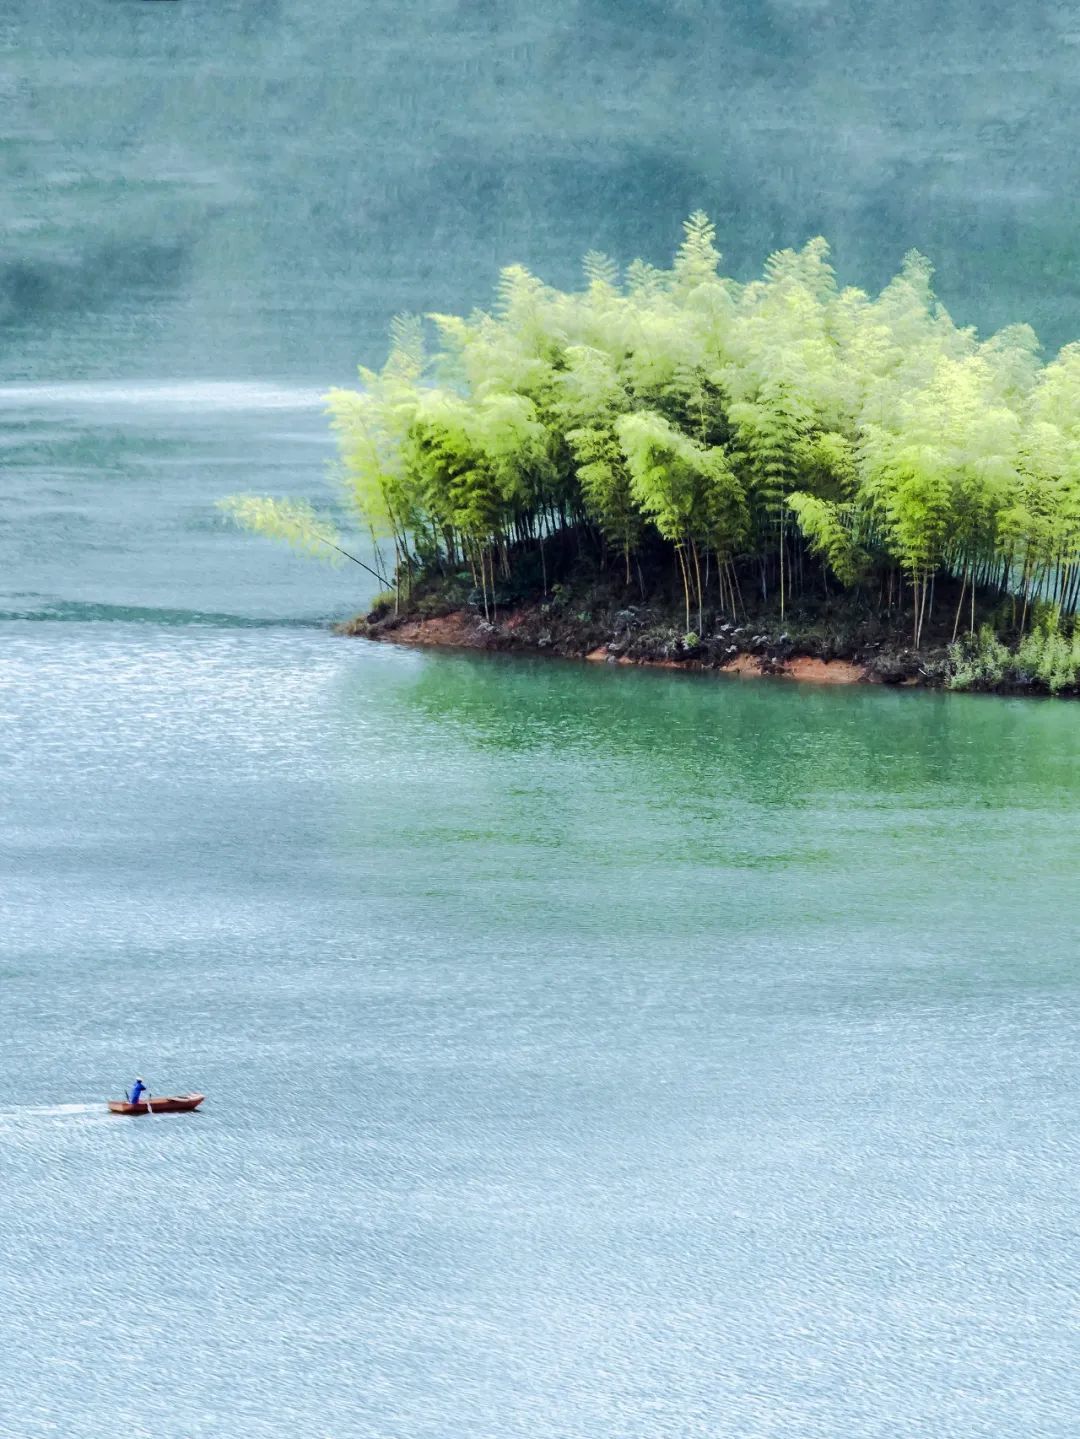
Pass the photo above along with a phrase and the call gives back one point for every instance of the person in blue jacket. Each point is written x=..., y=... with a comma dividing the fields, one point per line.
x=137, y=1091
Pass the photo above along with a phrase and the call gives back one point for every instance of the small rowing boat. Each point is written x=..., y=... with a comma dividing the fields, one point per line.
x=166, y=1104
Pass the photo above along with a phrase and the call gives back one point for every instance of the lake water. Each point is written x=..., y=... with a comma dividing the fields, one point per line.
x=590, y=1054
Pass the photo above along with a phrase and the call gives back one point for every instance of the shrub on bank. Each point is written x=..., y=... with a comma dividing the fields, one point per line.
x=1048, y=657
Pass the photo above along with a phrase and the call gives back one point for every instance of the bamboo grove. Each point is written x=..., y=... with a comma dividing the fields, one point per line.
x=766, y=429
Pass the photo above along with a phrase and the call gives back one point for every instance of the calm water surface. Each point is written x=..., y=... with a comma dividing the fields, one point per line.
x=589, y=1053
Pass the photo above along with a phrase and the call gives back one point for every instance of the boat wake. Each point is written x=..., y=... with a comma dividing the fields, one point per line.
x=49, y=1110
x=28, y=1117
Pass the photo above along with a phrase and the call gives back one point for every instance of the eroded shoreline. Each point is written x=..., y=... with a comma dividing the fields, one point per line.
x=515, y=633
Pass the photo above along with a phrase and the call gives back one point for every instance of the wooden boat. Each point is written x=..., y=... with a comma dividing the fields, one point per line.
x=165, y=1104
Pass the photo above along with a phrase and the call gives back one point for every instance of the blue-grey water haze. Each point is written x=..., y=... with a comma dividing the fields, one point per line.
x=589, y=1053
x=230, y=189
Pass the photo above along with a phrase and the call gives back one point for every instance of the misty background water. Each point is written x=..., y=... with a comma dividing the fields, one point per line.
x=222, y=188
x=589, y=1053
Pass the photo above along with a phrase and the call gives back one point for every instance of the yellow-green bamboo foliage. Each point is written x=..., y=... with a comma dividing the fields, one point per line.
x=780, y=421
x=292, y=521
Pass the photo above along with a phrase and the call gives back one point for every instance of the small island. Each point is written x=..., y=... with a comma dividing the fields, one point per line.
x=672, y=467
